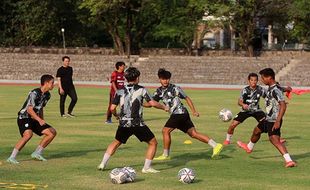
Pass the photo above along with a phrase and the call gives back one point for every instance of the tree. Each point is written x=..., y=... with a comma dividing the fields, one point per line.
x=300, y=16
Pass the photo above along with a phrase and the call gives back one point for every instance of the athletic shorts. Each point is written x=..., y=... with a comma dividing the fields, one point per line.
x=33, y=125
x=182, y=122
x=241, y=116
x=143, y=133
x=266, y=127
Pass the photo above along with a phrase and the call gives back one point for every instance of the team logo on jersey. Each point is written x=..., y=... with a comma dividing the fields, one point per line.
x=26, y=125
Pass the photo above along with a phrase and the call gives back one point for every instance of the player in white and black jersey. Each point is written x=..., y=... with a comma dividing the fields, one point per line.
x=30, y=120
x=275, y=109
x=249, y=103
x=171, y=96
x=130, y=99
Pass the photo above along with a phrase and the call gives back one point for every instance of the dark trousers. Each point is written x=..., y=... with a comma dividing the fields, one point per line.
x=72, y=94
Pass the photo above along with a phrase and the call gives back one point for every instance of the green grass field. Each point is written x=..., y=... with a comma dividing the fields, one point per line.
x=77, y=150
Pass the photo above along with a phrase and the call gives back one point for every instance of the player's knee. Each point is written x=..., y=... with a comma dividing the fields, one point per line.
x=153, y=142
x=27, y=136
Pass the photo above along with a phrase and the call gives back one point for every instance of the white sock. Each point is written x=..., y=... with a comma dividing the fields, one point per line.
x=287, y=157
x=39, y=149
x=251, y=145
x=228, y=137
x=147, y=164
x=166, y=152
x=212, y=143
x=14, y=153
x=105, y=159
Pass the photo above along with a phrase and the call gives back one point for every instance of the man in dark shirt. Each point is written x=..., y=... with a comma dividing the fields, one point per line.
x=117, y=82
x=66, y=87
x=30, y=120
x=130, y=99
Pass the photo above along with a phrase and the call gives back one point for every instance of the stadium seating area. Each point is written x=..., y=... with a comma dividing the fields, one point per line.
x=185, y=69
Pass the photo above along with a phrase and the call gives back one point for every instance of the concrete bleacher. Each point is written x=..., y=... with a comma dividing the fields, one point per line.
x=185, y=69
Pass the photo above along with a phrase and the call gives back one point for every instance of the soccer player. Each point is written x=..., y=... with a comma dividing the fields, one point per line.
x=130, y=99
x=30, y=120
x=275, y=109
x=171, y=96
x=117, y=82
x=249, y=102
x=66, y=87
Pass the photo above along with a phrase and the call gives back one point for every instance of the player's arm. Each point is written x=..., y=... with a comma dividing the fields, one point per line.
x=147, y=105
x=113, y=111
x=113, y=81
x=34, y=115
x=157, y=105
x=242, y=104
x=61, y=90
x=282, y=106
x=191, y=106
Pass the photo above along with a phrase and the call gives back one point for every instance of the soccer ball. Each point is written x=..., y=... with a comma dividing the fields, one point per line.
x=225, y=115
x=186, y=175
x=118, y=176
x=131, y=173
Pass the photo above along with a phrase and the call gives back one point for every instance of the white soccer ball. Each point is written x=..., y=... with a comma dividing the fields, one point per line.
x=186, y=175
x=131, y=173
x=118, y=176
x=225, y=115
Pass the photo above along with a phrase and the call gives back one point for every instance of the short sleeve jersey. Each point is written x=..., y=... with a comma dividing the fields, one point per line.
x=118, y=79
x=130, y=98
x=171, y=97
x=251, y=97
x=35, y=99
x=274, y=96
x=65, y=74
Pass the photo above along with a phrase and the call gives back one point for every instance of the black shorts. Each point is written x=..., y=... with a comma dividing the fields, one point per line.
x=182, y=122
x=33, y=125
x=266, y=127
x=143, y=133
x=241, y=116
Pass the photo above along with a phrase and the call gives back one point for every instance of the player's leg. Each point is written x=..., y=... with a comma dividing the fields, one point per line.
x=73, y=96
x=275, y=139
x=109, y=113
x=230, y=132
x=150, y=153
x=217, y=147
x=166, y=131
x=108, y=153
x=239, y=118
x=49, y=134
x=62, y=101
x=121, y=137
x=27, y=134
x=254, y=138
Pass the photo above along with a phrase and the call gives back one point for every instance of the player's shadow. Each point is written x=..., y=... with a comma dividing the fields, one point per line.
x=183, y=159
x=286, y=138
x=294, y=156
x=154, y=118
x=75, y=153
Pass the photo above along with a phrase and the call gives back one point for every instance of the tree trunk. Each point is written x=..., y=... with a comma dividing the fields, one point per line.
x=117, y=41
x=128, y=32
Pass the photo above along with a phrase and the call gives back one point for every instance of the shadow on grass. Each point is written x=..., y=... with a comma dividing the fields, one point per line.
x=183, y=159
x=78, y=153
x=286, y=138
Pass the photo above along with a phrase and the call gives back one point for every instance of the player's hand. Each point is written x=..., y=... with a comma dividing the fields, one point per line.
x=288, y=89
x=42, y=122
x=276, y=125
x=196, y=114
x=245, y=106
x=61, y=91
x=166, y=109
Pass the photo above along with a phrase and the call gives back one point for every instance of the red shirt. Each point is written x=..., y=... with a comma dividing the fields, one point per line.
x=118, y=79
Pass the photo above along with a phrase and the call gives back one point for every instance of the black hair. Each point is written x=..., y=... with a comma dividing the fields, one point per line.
x=163, y=74
x=65, y=57
x=118, y=64
x=268, y=72
x=46, y=78
x=252, y=75
x=131, y=74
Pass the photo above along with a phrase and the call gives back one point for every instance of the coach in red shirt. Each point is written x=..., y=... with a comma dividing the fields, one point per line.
x=117, y=82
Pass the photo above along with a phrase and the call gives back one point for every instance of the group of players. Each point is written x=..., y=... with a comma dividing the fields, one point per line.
x=132, y=97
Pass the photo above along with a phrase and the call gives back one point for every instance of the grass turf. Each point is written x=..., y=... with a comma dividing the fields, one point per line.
x=78, y=148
